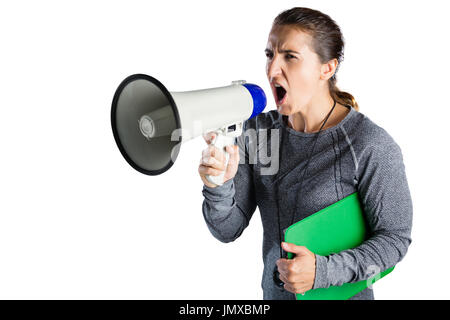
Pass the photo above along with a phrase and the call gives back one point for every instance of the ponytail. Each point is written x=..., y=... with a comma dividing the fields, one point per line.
x=342, y=97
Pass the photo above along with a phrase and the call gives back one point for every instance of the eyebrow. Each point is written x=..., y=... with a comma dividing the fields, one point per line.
x=283, y=51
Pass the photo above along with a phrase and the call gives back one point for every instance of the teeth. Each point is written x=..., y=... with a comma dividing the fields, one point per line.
x=277, y=85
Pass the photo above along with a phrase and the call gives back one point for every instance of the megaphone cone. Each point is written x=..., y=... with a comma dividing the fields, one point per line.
x=149, y=122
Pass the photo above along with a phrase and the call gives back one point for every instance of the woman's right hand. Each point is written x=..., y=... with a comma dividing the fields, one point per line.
x=213, y=161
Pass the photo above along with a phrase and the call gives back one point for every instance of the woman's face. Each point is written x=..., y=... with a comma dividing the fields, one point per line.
x=293, y=65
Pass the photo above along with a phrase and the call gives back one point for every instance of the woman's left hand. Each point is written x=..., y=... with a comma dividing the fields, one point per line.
x=298, y=273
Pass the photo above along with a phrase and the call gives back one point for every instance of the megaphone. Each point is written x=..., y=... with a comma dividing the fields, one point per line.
x=149, y=123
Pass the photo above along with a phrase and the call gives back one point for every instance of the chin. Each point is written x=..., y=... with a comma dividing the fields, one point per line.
x=285, y=110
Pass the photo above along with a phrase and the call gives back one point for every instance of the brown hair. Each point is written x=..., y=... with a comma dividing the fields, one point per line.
x=328, y=42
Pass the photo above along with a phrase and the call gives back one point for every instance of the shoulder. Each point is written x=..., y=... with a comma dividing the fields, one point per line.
x=366, y=134
x=370, y=141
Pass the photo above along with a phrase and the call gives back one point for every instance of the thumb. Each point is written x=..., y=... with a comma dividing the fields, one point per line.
x=298, y=250
x=209, y=136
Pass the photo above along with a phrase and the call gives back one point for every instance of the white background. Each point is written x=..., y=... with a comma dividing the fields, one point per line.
x=76, y=221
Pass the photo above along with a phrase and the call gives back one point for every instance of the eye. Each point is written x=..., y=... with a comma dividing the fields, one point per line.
x=289, y=56
x=269, y=54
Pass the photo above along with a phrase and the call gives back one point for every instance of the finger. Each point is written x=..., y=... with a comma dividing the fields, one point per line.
x=233, y=161
x=209, y=136
x=209, y=171
x=284, y=263
x=283, y=278
x=300, y=288
x=213, y=163
x=213, y=151
x=298, y=250
x=289, y=277
x=219, y=154
x=295, y=288
x=210, y=151
x=283, y=266
x=289, y=287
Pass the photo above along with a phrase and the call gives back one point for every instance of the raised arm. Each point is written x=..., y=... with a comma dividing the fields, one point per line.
x=227, y=209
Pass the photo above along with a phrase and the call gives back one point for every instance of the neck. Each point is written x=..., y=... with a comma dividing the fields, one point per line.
x=310, y=118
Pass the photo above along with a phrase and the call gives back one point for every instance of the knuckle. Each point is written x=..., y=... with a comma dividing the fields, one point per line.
x=214, y=172
x=291, y=268
x=219, y=154
x=290, y=278
x=206, y=153
x=207, y=161
x=204, y=170
x=289, y=288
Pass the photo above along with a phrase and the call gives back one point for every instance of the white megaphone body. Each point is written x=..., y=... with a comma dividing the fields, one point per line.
x=149, y=123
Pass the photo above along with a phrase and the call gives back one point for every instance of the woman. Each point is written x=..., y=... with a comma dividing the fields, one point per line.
x=327, y=151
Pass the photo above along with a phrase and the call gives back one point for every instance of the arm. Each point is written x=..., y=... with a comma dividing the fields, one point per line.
x=227, y=209
x=387, y=204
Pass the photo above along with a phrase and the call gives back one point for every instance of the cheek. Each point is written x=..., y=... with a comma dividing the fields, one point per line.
x=304, y=80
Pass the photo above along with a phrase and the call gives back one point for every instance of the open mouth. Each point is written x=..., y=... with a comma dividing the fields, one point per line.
x=281, y=93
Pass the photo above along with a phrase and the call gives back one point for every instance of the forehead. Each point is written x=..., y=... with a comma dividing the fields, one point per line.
x=288, y=37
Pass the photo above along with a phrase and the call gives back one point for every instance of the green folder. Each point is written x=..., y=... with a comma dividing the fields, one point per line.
x=335, y=228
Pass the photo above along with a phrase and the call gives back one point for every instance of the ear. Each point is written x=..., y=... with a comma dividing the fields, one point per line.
x=328, y=69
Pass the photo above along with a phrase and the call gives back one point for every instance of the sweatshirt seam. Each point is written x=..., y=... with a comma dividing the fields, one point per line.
x=353, y=153
x=335, y=169
x=340, y=163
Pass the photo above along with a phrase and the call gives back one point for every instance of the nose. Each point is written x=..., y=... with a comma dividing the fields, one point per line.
x=273, y=68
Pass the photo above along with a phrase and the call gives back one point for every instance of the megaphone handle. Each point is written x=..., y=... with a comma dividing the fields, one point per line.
x=220, y=142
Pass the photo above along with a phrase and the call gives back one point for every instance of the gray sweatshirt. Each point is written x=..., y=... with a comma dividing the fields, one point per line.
x=355, y=155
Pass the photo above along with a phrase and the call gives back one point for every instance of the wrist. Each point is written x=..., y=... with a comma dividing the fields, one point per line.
x=321, y=274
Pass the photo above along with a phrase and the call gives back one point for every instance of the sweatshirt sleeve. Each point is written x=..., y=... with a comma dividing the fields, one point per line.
x=227, y=209
x=387, y=204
